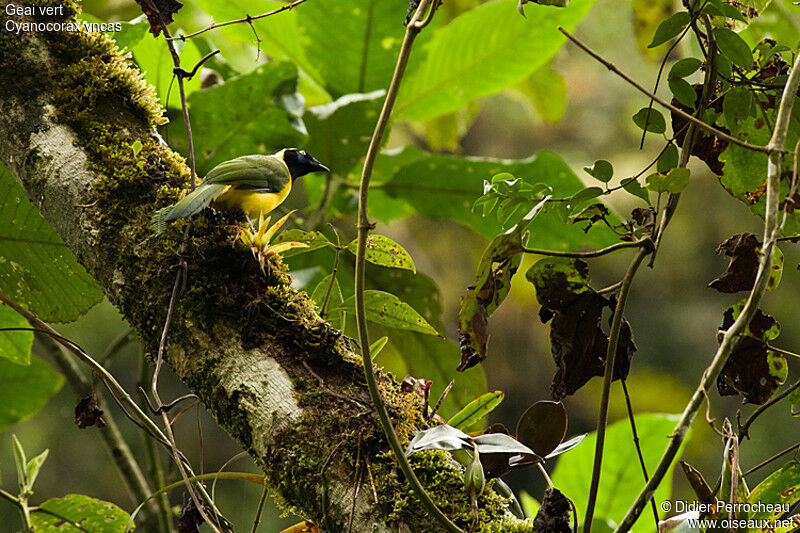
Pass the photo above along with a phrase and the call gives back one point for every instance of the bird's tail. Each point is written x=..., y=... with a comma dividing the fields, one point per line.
x=189, y=205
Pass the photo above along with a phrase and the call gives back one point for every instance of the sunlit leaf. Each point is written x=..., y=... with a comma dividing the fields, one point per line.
x=388, y=310
x=385, y=252
x=476, y=410
x=76, y=513
x=482, y=52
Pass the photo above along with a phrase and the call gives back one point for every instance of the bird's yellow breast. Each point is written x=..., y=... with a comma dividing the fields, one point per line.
x=254, y=204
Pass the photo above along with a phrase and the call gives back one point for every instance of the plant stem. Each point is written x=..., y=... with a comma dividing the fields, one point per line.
x=637, y=445
x=744, y=429
x=730, y=338
x=611, y=355
x=248, y=19
x=711, y=129
x=412, y=29
x=589, y=254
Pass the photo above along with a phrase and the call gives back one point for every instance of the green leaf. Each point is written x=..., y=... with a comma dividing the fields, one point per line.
x=670, y=28
x=19, y=462
x=250, y=114
x=353, y=46
x=650, y=120
x=132, y=32
x=622, y=475
x=15, y=346
x=776, y=272
x=314, y=240
x=385, y=252
x=737, y=107
x=25, y=389
x=780, y=487
x=547, y=91
x=338, y=135
x=76, y=513
x=745, y=170
x=37, y=270
x=682, y=91
x=482, y=52
x=583, y=196
x=635, y=188
x=376, y=347
x=136, y=147
x=601, y=170
x=685, y=67
x=33, y=466
x=475, y=410
x=734, y=48
x=388, y=310
x=667, y=160
x=444, y=187
x=673, y=181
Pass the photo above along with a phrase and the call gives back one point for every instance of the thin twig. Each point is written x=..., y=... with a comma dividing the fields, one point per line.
x=744, y=429
x=731, y=337
x=412, y=29
x=637, y=445
x=711, y=129
x=592, y=253
x=611, y=355
x=260, y=510
x=248, y=20
x=793, y=448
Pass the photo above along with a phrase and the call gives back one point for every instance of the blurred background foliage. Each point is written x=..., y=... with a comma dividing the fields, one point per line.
x=571, y=106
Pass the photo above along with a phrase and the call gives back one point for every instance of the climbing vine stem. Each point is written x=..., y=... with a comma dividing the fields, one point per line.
x=417, y=22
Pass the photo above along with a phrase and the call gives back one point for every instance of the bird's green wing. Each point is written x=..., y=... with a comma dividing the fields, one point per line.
x=192, y=203
x=266, y=173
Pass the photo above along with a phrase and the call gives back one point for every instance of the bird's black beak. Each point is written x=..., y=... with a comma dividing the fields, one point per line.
x=301, y=163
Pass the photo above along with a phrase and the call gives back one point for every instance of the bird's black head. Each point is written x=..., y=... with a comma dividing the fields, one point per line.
x=300, y=163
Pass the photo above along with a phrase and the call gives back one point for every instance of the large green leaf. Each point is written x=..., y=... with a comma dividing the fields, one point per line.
x=621, y=475
x=253, y=113
x=76, y=513
x=14, y=345
x=780, y=487
x=388, y=310
x=444, y=188
x=339, y=134
x=482, y=52
x=36, y=267
x=357, y=52
x=25, y=389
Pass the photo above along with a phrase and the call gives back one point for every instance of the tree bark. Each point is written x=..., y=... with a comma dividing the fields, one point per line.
x=277, y=378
